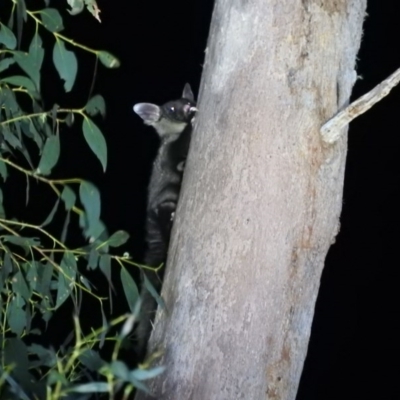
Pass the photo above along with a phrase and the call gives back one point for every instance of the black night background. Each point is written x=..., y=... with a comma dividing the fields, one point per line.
x=355, y=335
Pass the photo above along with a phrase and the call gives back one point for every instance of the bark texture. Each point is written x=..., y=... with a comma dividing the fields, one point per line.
x=260, y=202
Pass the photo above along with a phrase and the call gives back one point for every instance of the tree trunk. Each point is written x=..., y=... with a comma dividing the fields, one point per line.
x=260, y=202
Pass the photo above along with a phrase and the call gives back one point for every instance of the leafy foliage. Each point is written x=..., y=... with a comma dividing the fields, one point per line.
x=78, y=5
x=39, y=272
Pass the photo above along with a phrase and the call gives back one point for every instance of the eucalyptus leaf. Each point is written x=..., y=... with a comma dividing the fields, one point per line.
x=91, y=387
x=76, y=6
x=47, y=357
x=32, y=275
x=21, y=17
x=104, y=328
x=90, y=198
x=130, y=289
x=36, y=136
x=31, y=62
x=86, y=283
x=16, y=315
x=68, y=196
x=7, y=37
x=96, y=105
x=11, y=138
x=24, y=151
x=54, y=111
x=2, y=213
x=45, y=273
x=28, y=319
x=20, y=286
x=64, y=231
x=56, y=377
x=69, y=119
x=105, y=267
x=9, y=100
x=16, y=354
x=50, y=155
x=91, y=359
x=153, y=291
x=138, y=384
x=7, y=267
x=4, y=64
x=143, y=374
x=83, y=224
x=108, y=60
x=50, y=217
x=92, y=7
x=3, y=170
x=51, y=19
x=118, y=238
x=21, y=241
x=66, y=64
x=127, y=327
x=22, y=81
x=95, y=140
x=66, y=278
x=119, y=369
x=94, y=257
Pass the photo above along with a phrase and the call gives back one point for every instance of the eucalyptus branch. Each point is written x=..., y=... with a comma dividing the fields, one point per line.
x=332, y=130
x=91, y=338
x=51, y=182
x=75, y=252
x=42, y=114
x=77, y=348
x=4, y=327
x=12, y=255
x=123, y=260
x=37, y=263
x=20, y=90
x=57, y=35
x=54, y=264
x=36, y=227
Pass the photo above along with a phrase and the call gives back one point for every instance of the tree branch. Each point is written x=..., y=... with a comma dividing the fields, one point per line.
x=333, y=129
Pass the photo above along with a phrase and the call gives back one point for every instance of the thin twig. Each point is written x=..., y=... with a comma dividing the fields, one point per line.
x=333, y=129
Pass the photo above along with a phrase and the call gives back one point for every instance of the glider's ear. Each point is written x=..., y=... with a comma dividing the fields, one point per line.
x=187, y=93
x=149, y=113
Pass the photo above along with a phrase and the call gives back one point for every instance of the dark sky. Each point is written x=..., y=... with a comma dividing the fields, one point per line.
x=161, y=46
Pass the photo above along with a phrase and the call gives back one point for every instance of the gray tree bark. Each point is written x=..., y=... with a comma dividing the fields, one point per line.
x=260, y=202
